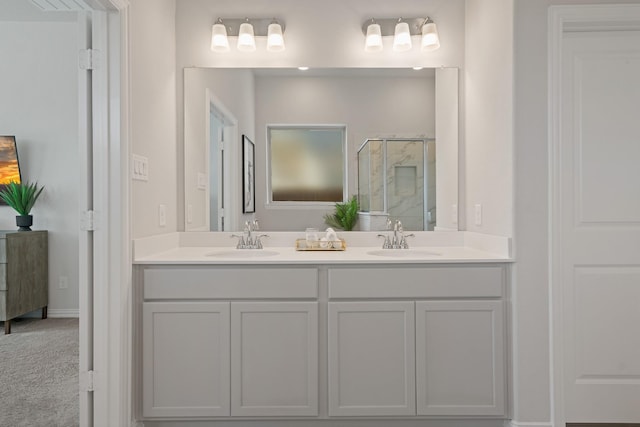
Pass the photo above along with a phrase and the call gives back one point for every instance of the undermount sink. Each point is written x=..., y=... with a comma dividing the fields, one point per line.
x=242, y=253
x=403, y=253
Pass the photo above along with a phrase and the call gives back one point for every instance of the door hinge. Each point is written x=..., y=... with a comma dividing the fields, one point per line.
x=88, y=222
x=86, y=381
x=88, y=59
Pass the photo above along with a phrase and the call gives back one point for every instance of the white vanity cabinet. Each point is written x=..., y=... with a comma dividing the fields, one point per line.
x=451, y=361
x=210, y=348
x=330, y=343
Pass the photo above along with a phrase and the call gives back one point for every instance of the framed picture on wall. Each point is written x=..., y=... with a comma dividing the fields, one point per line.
x=248, y=175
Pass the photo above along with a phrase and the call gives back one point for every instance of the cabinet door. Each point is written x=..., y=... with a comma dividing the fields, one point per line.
x=185, y=354
x=460, y=358
x=371, y=358
x=274, y=359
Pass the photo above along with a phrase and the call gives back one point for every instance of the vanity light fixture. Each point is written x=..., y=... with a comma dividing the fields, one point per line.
x=275, y=39
x=245, y=31
x=403, y=31
x=246, y=39
x=430, y=38
x=402, y=37
x=373, y=40
x=219, y=40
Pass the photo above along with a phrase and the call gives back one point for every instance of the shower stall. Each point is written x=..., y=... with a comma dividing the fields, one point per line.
x=397, y=181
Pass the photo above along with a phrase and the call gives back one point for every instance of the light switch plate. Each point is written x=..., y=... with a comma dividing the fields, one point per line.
x=140, y=166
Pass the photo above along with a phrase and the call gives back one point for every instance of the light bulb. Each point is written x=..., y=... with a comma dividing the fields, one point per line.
x=402, y=37
x=275, y=39
x=430, y=38
x=246, y=40
x=373, y=42
x=219, y=40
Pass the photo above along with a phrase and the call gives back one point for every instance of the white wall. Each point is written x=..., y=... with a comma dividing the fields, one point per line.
x=488, y=134
x=153, y=113
x=369, y=107
x=39, y=105
x=531, y=275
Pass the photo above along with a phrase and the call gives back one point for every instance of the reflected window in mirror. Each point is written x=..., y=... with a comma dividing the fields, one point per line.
x=306, y=164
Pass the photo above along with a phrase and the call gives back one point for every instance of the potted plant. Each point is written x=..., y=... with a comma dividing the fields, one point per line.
x=21, y=197
x=345, y=215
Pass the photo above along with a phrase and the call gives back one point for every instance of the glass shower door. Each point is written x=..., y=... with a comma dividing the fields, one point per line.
x=405, y=162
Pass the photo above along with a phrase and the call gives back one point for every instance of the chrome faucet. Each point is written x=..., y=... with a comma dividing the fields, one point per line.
x=397, y=240
x=248, y=240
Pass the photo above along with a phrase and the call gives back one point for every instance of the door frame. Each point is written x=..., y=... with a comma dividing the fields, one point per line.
x=563, y=19
x=230, y=123
x=112, y=265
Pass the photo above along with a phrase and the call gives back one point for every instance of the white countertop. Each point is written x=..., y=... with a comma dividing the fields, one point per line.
x=362, y=248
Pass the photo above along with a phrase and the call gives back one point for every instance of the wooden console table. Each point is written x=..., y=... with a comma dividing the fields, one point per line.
x=24, y=274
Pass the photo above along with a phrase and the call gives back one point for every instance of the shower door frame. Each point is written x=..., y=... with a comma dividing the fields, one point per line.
x=385, y=187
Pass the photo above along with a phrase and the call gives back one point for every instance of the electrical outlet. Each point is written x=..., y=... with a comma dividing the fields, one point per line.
x=63, y=282
x=478, y=214
x=454, y=214
x=162, y=215
x=189, y=213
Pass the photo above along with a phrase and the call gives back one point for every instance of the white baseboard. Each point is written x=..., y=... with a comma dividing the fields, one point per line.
x=63, y=312
x=528, y=424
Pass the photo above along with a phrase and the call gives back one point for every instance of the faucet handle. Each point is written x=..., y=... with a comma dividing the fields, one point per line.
x=258, y=240
x=399, y=226
x=241, y=242
x=403, y=242
x=389, y=224
x=387, y=242
x=256, y=225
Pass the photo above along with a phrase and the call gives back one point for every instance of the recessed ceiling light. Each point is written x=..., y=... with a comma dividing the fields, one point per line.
x=303, y=68
x=417, y=68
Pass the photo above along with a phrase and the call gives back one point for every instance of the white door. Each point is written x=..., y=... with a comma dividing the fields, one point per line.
x=274, y=358
x=371, y=358
x=599, y=225
x=460, y=358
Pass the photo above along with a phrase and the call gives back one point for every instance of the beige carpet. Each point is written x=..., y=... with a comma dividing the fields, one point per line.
x=39, y=373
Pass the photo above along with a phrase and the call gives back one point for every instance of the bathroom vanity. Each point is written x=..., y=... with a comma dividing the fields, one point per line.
x=399, y=335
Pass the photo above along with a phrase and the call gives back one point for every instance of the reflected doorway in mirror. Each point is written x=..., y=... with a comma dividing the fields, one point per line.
x=248, y=175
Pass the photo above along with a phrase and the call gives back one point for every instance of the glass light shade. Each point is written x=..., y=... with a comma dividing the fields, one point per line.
x=219, y=40
x=373, y=42
x=246, y=40
x=402, y=37
x=430, y=38
x=275, y=40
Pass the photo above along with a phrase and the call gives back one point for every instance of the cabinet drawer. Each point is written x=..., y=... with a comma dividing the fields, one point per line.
x=229, y=283
x=422, y=282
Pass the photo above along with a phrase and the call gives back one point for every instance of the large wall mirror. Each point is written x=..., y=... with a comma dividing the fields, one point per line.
x=400, y=153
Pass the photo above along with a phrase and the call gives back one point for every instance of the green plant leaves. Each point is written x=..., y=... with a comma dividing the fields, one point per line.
x=21, y=197
x=345, y=216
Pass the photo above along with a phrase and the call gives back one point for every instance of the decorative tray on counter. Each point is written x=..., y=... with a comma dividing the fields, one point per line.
x=334, y=245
